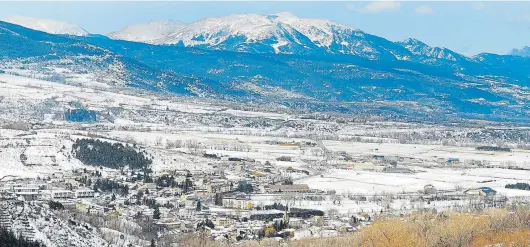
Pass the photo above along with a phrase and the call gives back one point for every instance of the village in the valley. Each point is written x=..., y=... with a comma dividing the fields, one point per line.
x=126, y=170
x=241, y=198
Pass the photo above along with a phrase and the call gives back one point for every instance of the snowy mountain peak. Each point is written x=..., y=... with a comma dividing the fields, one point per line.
x=412, y=41
x=48, y=26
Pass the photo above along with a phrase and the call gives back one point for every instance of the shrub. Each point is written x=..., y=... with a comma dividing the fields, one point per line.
x=55, y=205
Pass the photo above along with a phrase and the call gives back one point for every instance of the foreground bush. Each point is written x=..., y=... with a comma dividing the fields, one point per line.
x=9, y=239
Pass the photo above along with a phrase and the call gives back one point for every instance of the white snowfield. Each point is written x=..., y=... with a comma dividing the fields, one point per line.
x=48, y=26
x=43, y=152
x=53, y=230
x=367, y=182
x=433, y=152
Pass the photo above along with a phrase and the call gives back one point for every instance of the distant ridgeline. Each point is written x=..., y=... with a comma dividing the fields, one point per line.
x=80, y=115
x=492, y=148
x=112, y=155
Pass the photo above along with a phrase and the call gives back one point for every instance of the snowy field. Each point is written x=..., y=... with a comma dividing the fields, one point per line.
x=365, y=182
x=430, y=152
x=36, y=140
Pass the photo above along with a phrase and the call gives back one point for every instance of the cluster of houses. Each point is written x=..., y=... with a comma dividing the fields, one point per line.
x=36, y=190
x=220, y=198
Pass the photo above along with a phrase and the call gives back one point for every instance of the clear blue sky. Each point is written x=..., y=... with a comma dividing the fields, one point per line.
x=466, y=27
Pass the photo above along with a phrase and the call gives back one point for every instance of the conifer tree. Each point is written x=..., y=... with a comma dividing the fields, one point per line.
x=156, y=213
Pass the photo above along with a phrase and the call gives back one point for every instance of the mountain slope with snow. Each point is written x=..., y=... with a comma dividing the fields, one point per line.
x=48, y=26
x=421, y=49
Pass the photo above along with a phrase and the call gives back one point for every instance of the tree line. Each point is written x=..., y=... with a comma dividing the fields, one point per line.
x=80, y=115
x=493, y=148
x=519, y=186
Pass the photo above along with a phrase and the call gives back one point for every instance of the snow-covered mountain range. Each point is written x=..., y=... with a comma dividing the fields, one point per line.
x=281, y=33
x=49, y=26
x=303, y=63
x=276, y=33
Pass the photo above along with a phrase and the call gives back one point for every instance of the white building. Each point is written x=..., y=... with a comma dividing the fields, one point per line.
x=28, y=193
x=61, y=194
x=31, y=189
x=239, y=202
x=84, y=193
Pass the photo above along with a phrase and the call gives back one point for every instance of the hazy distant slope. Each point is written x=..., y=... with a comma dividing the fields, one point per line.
x=524, y=52
x=49, y=26
x=146, y=32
